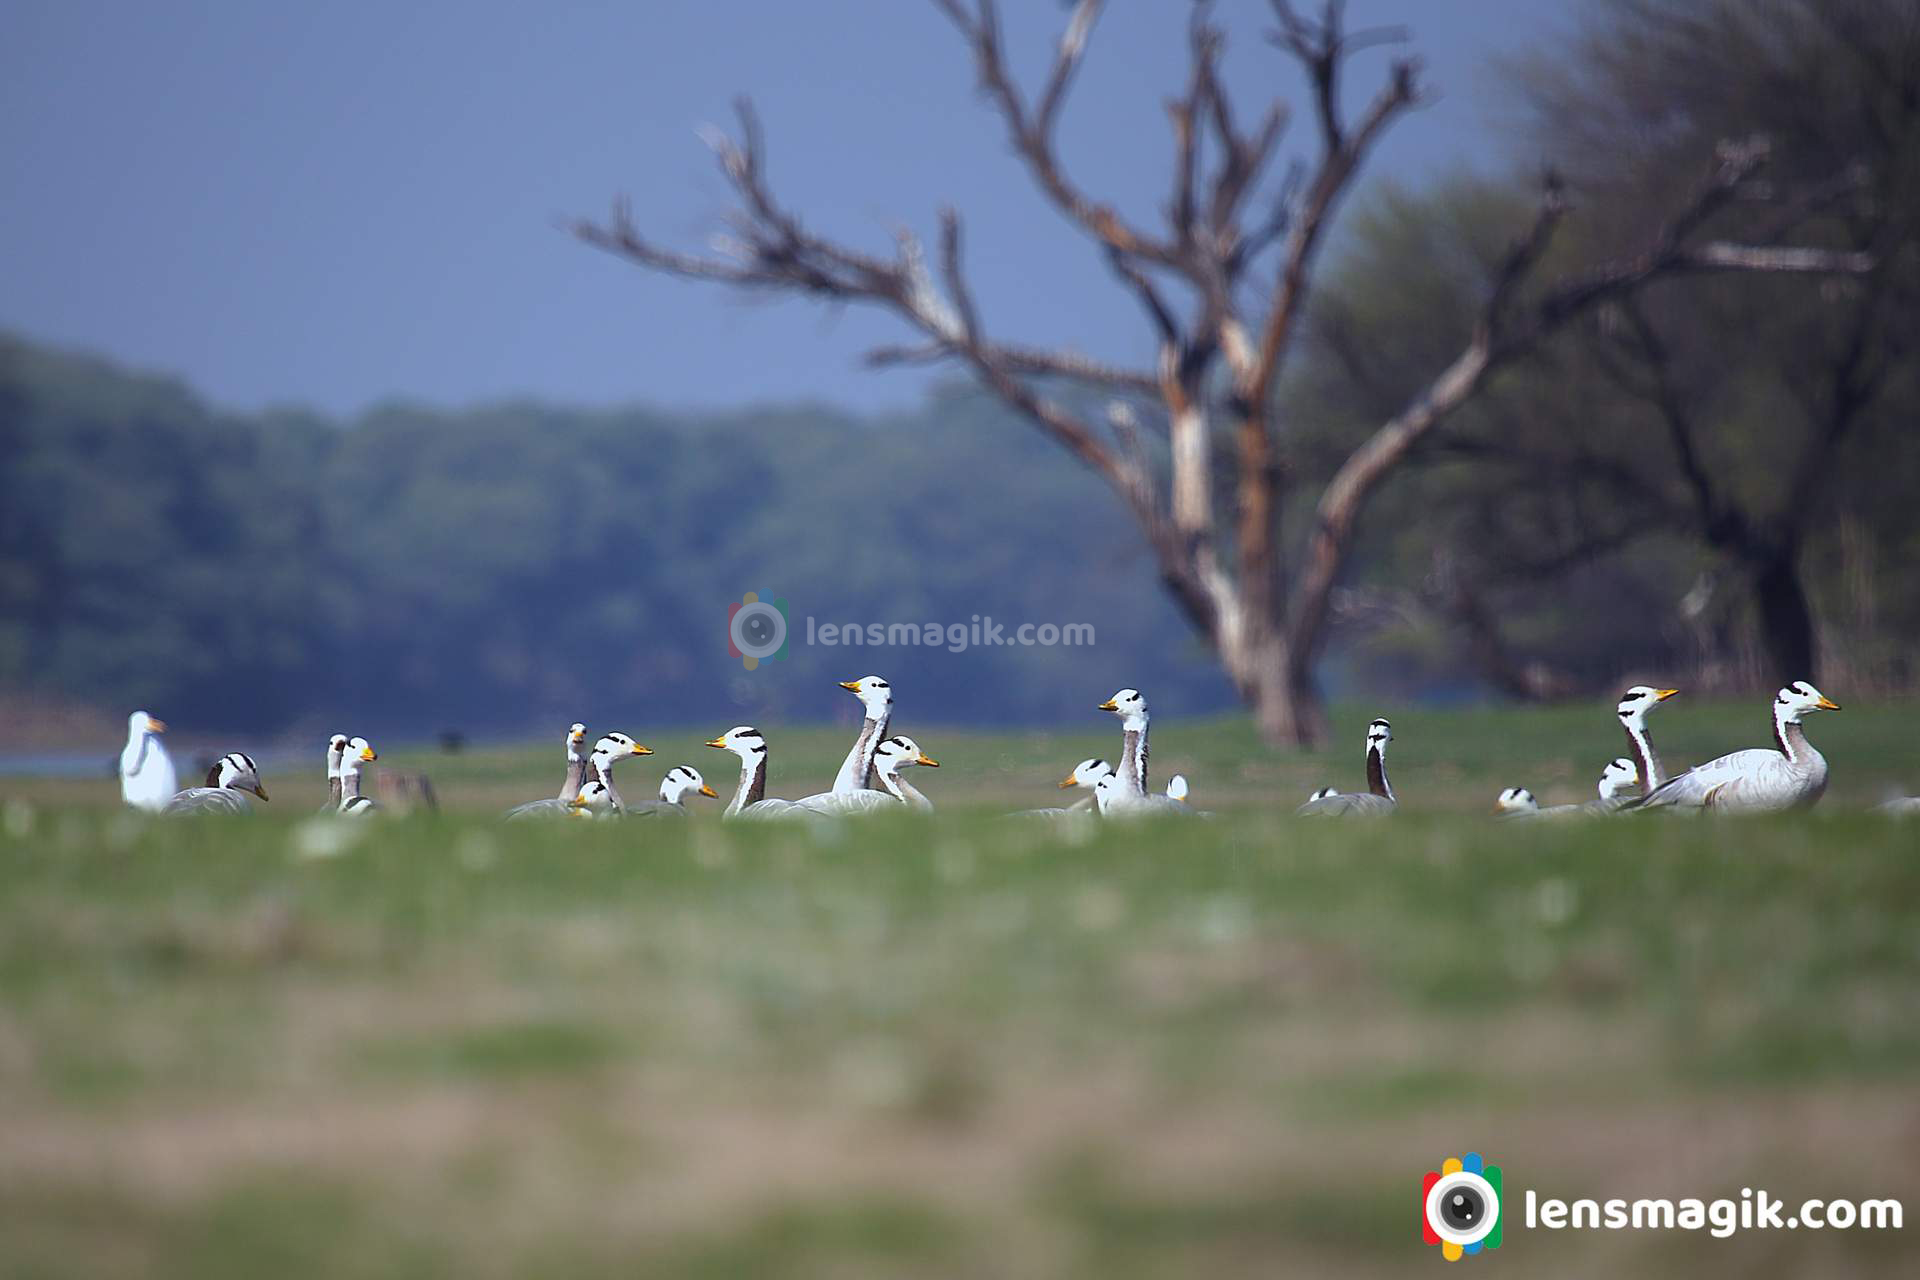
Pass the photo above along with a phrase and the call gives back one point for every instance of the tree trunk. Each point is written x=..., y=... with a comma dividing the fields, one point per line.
x=1785, y=619
x=1286, y=704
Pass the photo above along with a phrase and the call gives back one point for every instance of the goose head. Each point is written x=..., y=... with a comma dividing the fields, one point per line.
x=1324, y=793
x=358, y=751
x=875, y=694
x=336, y=752
x=680, y=780
x=140, y=724
x=1379, y=734
x=1516, y=800
x=1642, y=698
x=1087, y=774
x=237, y=770
x=897, y=753
x=576, y=739
x=1129, y=706
x=744, y=741
x=594, y=801
x=1621, y=775
x=616, y=745
x=1799, y=699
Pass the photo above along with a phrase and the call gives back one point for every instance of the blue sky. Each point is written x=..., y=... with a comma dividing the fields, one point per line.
x=331, y=205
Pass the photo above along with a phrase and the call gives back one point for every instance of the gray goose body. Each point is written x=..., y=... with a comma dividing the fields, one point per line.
x=1375, y=802
x=231, y=785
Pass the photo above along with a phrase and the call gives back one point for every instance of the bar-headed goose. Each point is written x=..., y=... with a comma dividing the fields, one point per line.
x=1131, y=707
x=1634, y=705
x=576, y=775
x=1789, y=775
x=889, y=758
x=750, y=799
x=607, y=752
x=856, y=771
x=1615, y=781
x=681, y=781
x=336, y=748
x=231, y=783
x=1086, y=775
x=147, y=778
x=358, y=752
x=1518, y=802
x=1377, y=801
x=594, y=800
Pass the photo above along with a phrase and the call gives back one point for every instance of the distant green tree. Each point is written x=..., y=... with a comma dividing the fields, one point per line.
x=1692, y=466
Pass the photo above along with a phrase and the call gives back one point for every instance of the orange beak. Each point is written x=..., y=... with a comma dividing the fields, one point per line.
x=260, y=790
x=1661, y=695
x=709, y=792
x=928, y=761
x=1827, y=704
x=717, y=742
x=1108, y=705
x=851, y=686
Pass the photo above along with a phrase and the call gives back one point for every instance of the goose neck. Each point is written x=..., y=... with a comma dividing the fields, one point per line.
x=576, y=774
x=1648, y=760
x=1133, y=757
x=753, y=782
x=1377, y=771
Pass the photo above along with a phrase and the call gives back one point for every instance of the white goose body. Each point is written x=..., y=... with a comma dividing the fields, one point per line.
x=857, y=771
x=231, y=784
x=1377, y=801
x=1115, y=800
x=557, y=806
x=750, y=800
x=890, y=757
x=352, y=804
x=147, y=777
x=1791, y=775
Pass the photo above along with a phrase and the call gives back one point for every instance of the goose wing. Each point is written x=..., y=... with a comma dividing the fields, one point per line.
x=1756, y=778
x=1361, y=805
x=848, y=803
x=1151, y=806
x=762, y=810
x=209, y=800
x=548, y=808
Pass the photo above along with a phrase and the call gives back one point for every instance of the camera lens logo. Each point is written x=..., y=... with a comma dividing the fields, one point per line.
x=757, y=630
x=1460, y=1207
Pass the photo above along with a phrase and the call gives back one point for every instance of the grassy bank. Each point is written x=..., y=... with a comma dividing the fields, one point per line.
x=963, y=1047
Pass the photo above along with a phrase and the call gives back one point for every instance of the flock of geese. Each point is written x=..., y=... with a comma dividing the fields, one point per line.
x=1789, y=775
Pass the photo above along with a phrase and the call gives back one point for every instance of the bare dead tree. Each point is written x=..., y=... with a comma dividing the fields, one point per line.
x=1223, y=282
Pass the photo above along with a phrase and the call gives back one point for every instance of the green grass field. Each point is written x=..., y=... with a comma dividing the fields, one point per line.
x=960, y=1046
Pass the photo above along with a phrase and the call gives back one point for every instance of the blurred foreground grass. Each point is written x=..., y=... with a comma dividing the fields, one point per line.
x=963, y=1047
